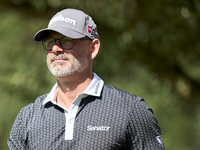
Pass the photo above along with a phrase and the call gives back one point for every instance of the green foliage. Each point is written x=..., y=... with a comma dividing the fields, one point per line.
x=22, y=69
x=148, y=48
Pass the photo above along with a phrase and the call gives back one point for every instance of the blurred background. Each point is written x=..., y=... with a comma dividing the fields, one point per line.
x=148, y=48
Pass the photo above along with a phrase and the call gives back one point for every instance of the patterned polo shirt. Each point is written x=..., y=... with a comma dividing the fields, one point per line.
x=113, y=120
x=94, y=89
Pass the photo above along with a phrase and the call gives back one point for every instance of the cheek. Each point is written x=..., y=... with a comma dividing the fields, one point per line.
x=83, y=56
x=48, y=60
x=48, y=56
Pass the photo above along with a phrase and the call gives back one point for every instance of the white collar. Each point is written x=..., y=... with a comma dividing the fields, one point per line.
x=94, y=89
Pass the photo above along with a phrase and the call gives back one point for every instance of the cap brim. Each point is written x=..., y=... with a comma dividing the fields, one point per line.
x=40, y=35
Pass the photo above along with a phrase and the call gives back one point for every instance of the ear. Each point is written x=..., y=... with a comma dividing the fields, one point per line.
x=95, y=48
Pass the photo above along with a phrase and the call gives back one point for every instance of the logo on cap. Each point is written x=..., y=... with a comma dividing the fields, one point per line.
x=90, y=29
x=62, y=19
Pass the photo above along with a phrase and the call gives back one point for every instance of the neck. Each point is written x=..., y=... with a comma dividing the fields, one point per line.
x=70, y=87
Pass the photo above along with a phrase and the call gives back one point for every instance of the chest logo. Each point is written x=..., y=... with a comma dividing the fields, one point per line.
x=98, y=128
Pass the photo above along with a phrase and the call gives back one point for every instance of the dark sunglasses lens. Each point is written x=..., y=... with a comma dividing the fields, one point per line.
x=48, y=43
x=66, y=43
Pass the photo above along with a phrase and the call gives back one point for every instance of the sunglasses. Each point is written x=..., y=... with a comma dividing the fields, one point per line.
x=65, y=42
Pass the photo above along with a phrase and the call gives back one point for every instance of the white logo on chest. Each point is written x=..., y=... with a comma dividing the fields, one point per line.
x=98, y=128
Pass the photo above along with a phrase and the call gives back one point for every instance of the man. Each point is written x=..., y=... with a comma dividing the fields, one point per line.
x=81, y=112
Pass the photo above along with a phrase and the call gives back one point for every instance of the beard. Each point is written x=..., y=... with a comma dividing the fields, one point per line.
x=63, y=69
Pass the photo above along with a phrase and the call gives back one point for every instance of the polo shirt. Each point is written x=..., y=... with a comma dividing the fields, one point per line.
x=94, y=89
x=113, y=120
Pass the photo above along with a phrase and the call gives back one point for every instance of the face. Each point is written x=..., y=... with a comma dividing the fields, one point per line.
x=63, y=63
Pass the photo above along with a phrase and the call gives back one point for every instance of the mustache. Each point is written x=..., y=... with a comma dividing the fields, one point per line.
x=60, y=56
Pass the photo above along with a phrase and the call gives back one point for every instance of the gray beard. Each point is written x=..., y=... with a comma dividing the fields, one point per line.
x=59, y=70
x=63, y=72
x=77, y=65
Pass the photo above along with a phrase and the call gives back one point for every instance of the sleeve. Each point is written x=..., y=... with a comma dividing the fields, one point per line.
x=143, y=130
x=18, y=134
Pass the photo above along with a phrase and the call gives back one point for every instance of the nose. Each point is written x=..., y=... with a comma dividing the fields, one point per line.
x=57, y=48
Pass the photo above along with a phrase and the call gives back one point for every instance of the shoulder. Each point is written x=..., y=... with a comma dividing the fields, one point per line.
x=118, y=94
x=139, y=114
x=26, y=114
x=29, y=109
x=134, y=106
x=39, y=100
